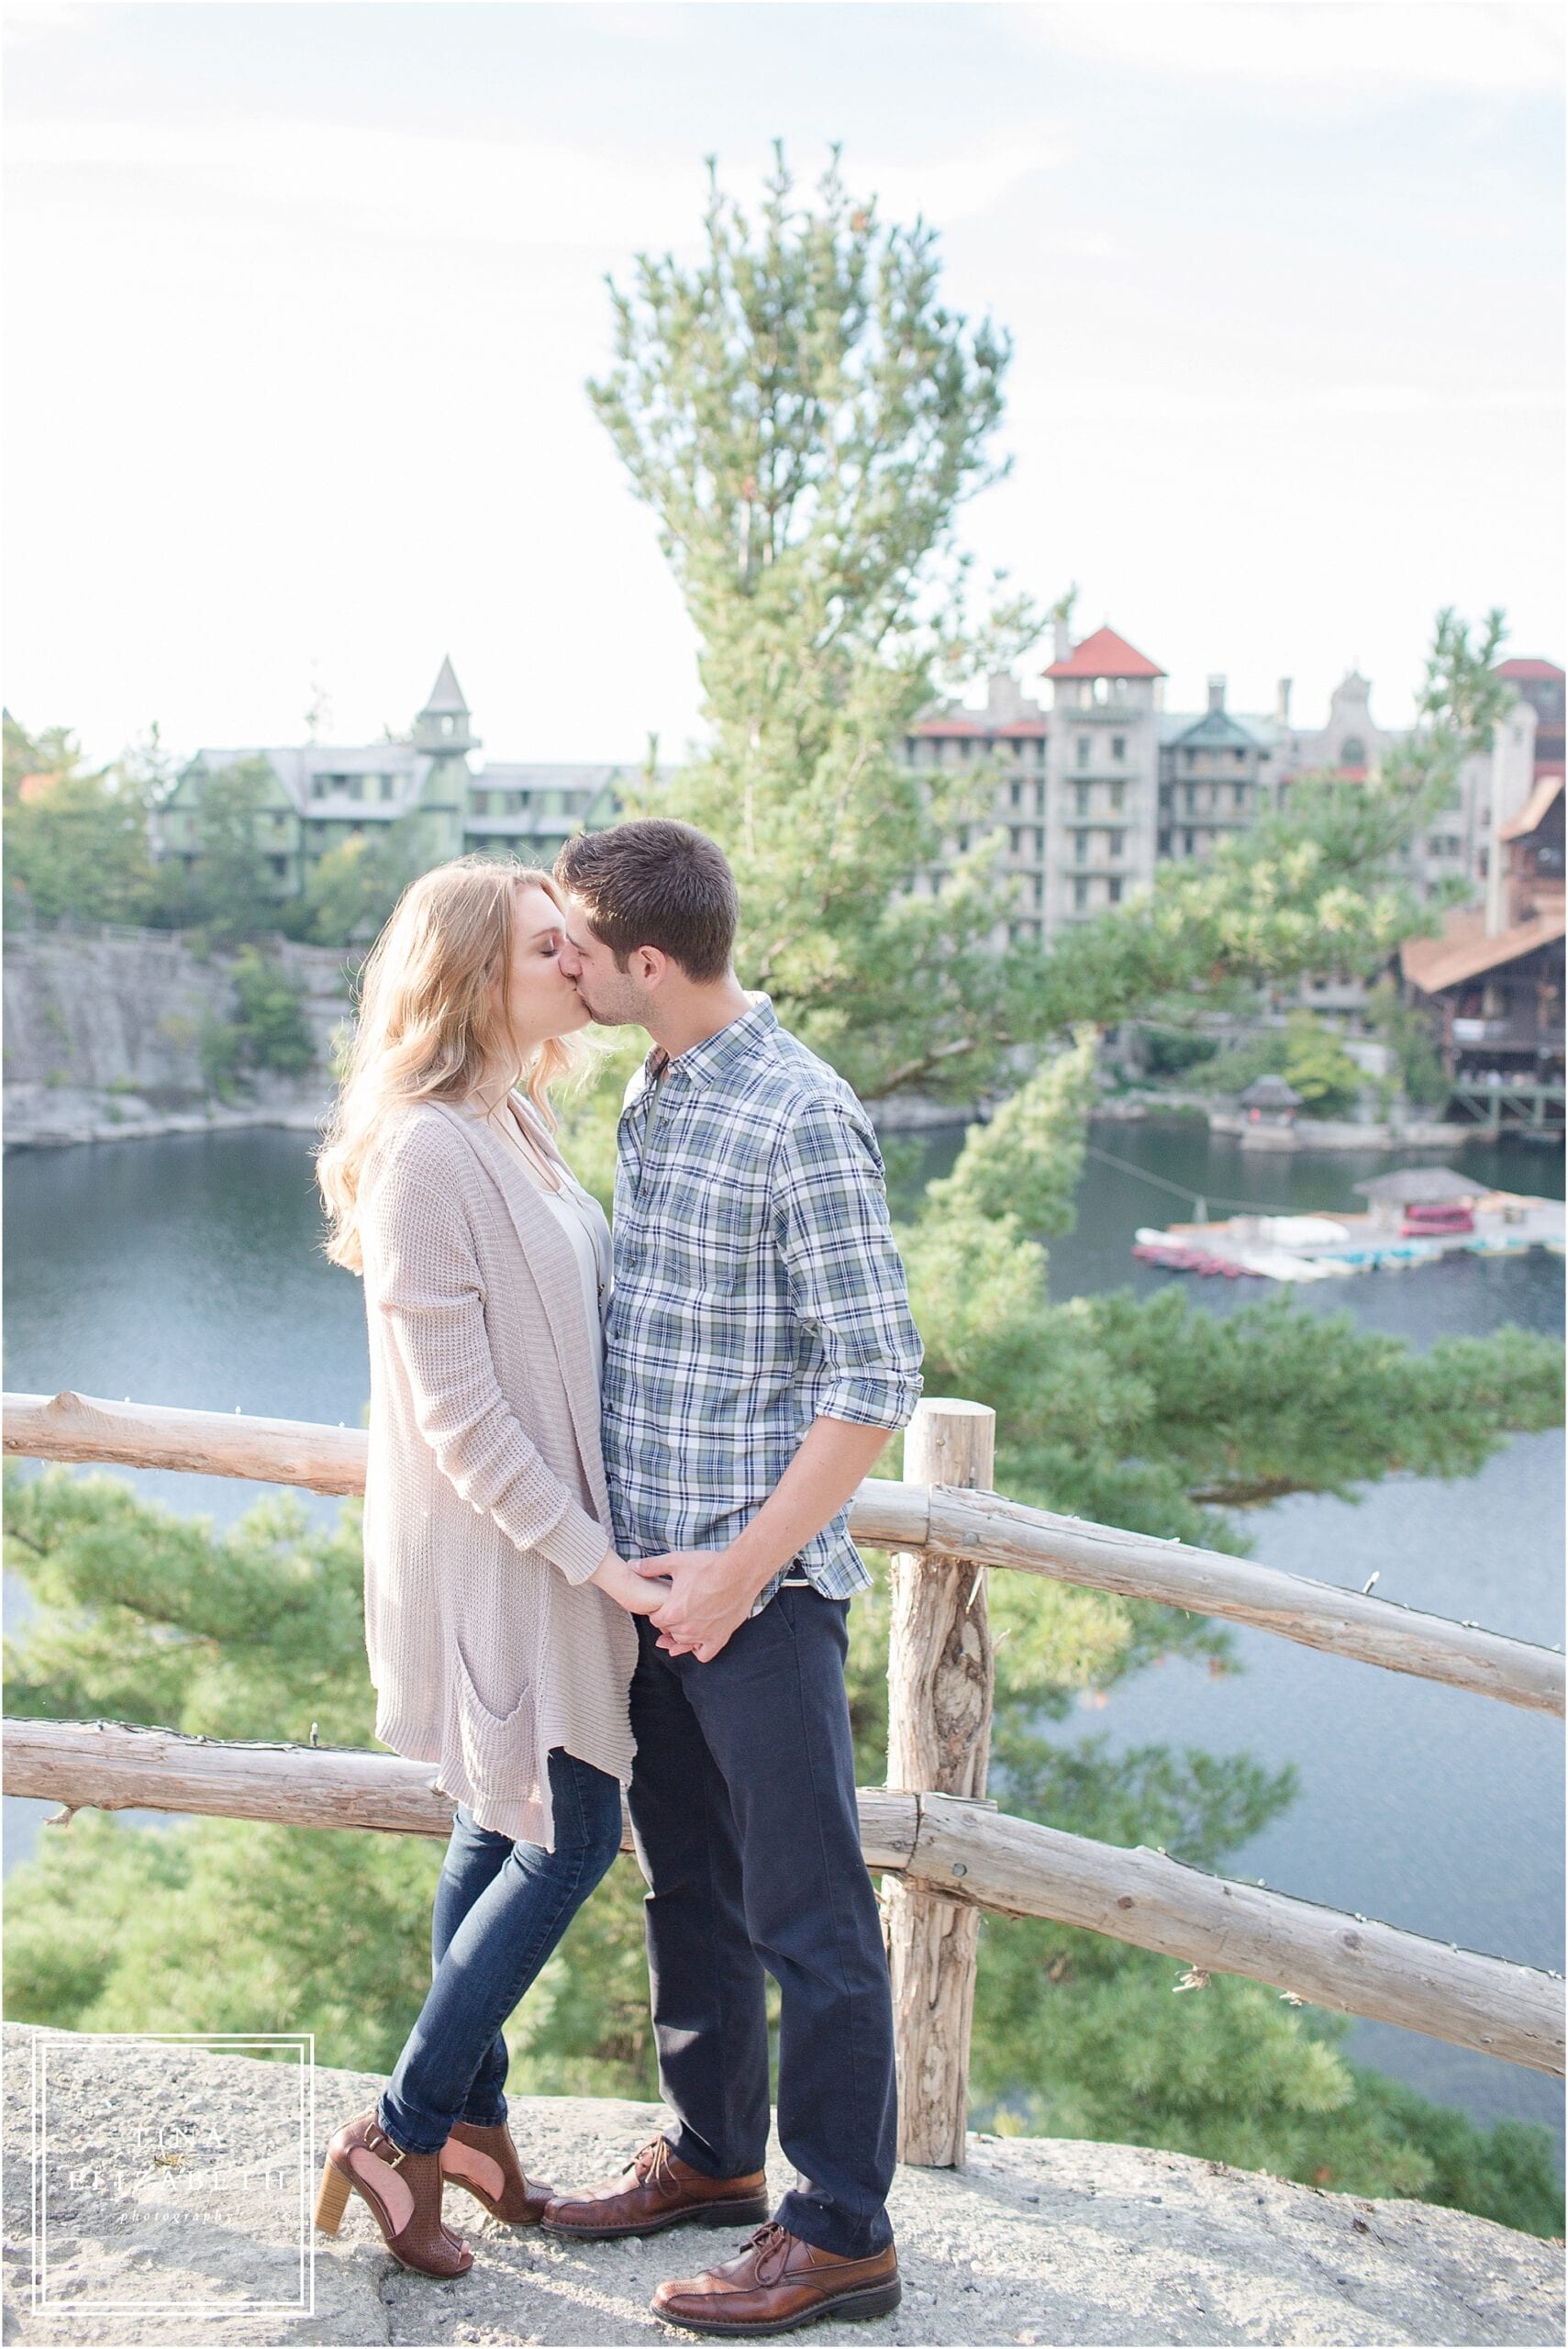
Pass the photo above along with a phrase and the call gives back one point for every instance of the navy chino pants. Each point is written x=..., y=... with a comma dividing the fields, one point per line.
x=742, y=1806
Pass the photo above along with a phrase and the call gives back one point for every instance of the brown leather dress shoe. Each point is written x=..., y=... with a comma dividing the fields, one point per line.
x=484, y=2162
x=403, y=2191
x=778, y=2283
x=665, y=2192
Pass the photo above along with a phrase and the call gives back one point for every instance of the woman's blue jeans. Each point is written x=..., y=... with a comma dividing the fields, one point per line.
x=501, y=1907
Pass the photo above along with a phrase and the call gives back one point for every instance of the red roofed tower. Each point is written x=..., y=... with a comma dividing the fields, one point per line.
x=1540, y=682
x=1102, y=774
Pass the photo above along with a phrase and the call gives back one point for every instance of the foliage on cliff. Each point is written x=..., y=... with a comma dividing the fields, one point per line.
x=75, y=835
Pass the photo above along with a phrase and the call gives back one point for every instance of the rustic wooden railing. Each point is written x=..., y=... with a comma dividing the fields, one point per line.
x=945, y=1854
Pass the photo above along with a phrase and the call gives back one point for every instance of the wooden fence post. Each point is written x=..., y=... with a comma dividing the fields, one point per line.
x=938, y=1742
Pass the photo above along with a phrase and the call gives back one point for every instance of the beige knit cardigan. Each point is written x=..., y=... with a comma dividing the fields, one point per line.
x=485, y=1507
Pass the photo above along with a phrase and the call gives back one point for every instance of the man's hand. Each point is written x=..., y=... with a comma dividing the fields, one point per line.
x=710, y=1597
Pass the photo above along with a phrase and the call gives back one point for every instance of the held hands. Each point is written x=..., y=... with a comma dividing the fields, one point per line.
x=626, y=1585
x=700, y=1599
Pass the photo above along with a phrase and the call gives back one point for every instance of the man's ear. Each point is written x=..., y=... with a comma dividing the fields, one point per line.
x=649, y=966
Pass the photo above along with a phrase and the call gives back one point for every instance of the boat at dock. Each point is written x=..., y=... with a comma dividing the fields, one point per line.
x=1324, y=1247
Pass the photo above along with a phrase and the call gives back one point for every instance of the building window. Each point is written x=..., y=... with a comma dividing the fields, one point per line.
x=1119, y=746
x=1039, y=843
x=1241, y=794
x=280, y=865
x=1119, y=796
x=1040, y=888
x=1116, y=839
x=1081, y=849
x=1191, y=758
x=1113, y=889
x=1015, y=797
x=1164, y=844
x=319, y=786
x=1239, y=757
x=1039, y=794
x=1080, y=896
x=1016, y=840
x=1352, y=751
x=1187, y=838
x=389, y=787
x=1083, y=750
x=448, y=724
x=1165, y=796
x=1190, y=793
x=1081, y=799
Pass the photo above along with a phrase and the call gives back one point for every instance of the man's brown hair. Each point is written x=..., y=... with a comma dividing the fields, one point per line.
x=655, y=883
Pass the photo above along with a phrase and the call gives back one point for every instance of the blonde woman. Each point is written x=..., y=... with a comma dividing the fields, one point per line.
x=498, y=1616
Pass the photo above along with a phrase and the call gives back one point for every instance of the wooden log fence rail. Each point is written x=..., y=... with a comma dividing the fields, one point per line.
x=936, y=1521
x=957, y=1851
x=945, y=1854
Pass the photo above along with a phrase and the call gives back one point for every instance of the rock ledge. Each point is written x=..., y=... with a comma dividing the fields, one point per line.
x=176, y=2210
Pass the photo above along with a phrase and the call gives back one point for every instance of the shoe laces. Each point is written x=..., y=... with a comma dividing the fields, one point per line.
x=649, y=2162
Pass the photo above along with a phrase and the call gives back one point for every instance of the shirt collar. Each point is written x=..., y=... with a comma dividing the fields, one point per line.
x=717, y=1056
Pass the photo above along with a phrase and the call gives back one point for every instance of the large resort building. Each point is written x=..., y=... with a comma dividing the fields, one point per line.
x=318, y=797
x=1094, y=792
x=1086, y=797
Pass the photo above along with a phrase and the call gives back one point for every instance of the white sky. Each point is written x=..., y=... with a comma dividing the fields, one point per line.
x=301, y=300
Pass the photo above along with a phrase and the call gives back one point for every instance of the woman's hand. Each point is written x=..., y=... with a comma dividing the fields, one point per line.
x=635, y=1592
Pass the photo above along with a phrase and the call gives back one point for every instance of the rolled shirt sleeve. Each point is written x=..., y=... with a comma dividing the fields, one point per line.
x=828, y=1203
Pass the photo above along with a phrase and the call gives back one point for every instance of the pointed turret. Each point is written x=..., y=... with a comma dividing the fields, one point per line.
x=443, y=725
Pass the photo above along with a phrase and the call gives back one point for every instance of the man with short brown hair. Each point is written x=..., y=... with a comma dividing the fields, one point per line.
x=759, y=1352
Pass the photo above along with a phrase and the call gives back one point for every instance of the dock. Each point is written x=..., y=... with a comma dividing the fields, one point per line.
x=1333, y=1247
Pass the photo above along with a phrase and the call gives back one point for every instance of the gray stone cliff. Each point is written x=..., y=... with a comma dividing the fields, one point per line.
x=102, y=1037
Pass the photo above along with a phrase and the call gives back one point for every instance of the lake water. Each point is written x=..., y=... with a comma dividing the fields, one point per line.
x=188, y=1272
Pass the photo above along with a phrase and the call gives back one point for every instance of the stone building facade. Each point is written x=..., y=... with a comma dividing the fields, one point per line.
x=1102, y=764
x=1093, y=793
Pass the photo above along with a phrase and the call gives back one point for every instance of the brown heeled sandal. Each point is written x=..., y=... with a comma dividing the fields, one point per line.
x=484, y=2162
x=403, y=2192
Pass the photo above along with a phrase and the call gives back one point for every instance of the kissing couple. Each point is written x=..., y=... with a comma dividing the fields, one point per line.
x=606, y=1546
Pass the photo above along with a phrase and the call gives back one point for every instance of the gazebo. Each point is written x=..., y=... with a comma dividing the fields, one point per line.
x=1390, y=1195
x=1270, y=1101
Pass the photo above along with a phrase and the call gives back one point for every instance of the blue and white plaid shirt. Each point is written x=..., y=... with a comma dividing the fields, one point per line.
x=756, y=1288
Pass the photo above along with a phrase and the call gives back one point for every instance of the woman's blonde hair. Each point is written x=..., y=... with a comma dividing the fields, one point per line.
x=434, y=1022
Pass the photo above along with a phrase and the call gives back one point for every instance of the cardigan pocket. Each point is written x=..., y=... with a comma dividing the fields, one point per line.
x=496, y=1750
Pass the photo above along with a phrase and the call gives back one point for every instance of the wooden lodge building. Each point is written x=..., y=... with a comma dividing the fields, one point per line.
x=1494, y=982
